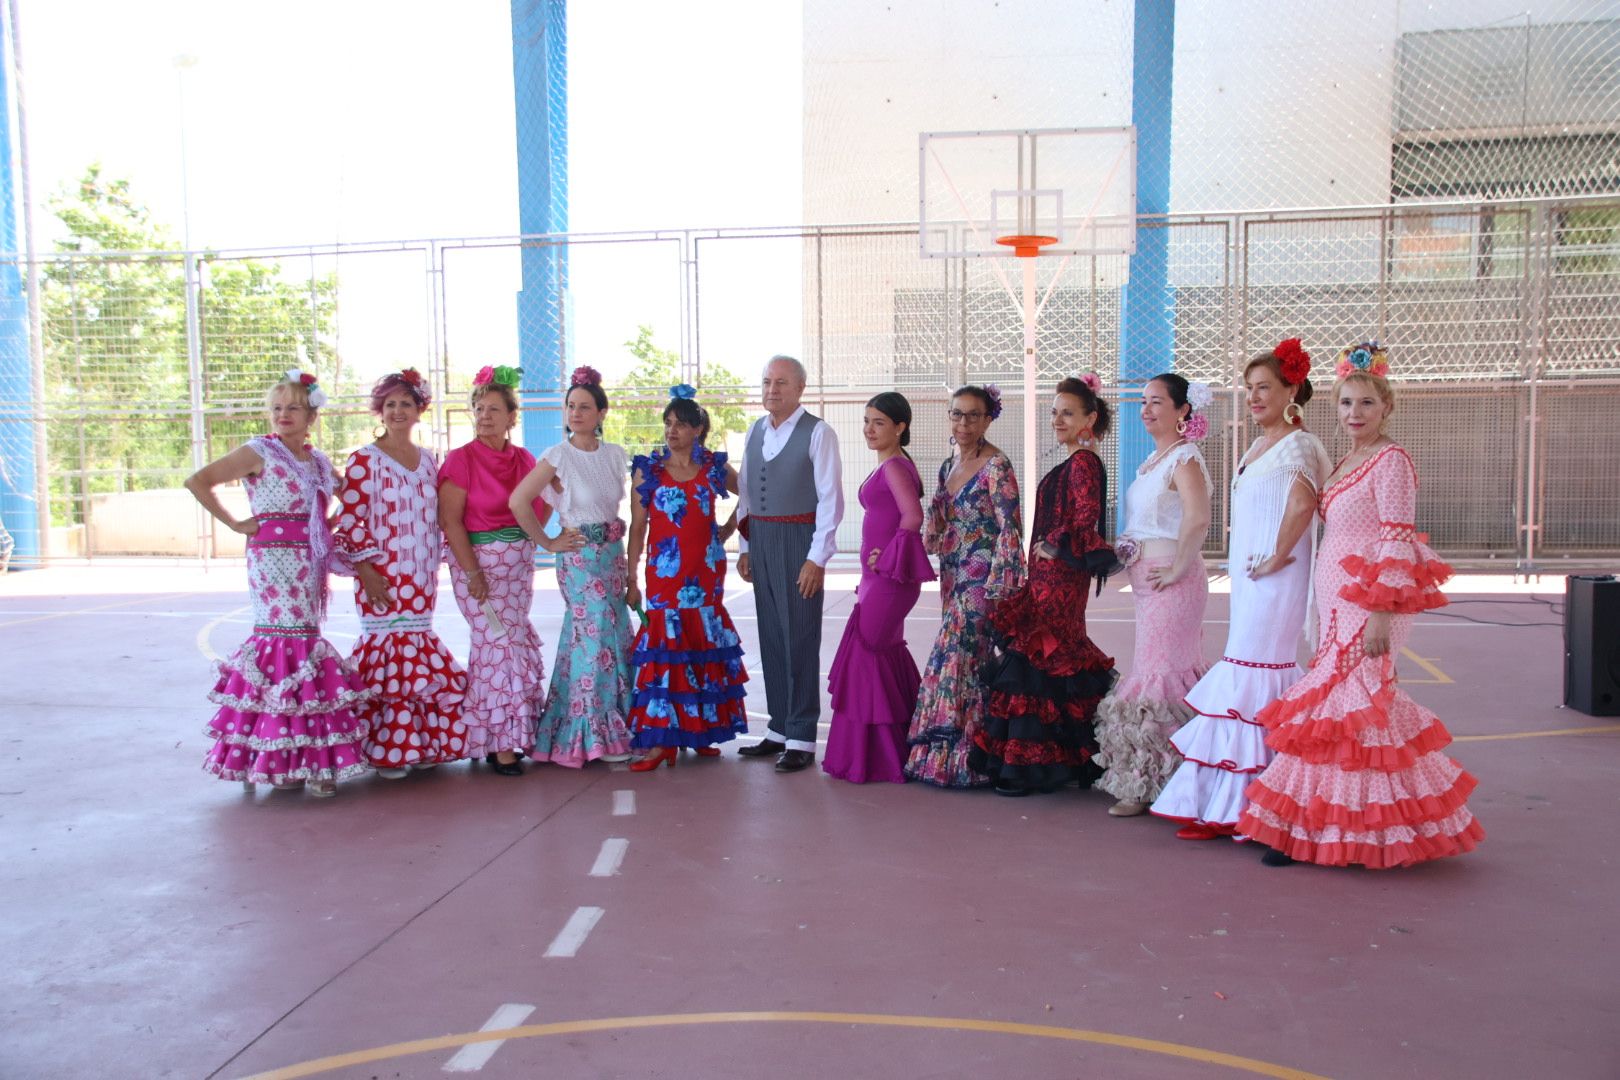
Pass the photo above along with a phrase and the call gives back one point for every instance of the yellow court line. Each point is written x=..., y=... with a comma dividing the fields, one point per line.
x=938, y=1023
x=88, y=610
x=208, y=629
x=1438, y=675
x=1611, y=729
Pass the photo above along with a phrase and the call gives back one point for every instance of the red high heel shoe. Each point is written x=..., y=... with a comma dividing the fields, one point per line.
x=664, y=755
x=708, y=751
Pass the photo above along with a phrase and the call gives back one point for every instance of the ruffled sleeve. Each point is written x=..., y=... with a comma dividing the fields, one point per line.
x=903, y=558
x=648, y=465
x=1397, y=572
x=353, y=537
x=717, y=473
x=934, y=522
x=1074, y=534
x=1007, y=557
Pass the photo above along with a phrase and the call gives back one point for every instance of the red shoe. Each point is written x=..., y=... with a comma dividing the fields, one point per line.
x=664, y=755
x=1196, y=830
x=708, y=751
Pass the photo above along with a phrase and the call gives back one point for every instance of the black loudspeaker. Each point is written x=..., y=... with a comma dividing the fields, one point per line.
x=1592, y=645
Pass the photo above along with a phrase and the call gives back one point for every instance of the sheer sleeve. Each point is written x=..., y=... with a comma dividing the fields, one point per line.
x=1397, y=572
x=934, y=525
x=353, y=539
x=903, y=558
x=1007, y=557
x=1075, y=533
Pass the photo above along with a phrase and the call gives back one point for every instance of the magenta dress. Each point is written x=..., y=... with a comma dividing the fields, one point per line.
x=874, y=680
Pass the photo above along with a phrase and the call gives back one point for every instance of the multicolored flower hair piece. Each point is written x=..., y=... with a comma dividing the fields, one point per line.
x=501, y=374
x=994, y=392
x=312, y=388
x=1368, y=358
x=585, y=375
x=1292, y=361
x=1196, y=426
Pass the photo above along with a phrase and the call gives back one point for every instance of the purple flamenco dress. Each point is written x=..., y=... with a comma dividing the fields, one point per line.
x=873, y=679
x=289, y=703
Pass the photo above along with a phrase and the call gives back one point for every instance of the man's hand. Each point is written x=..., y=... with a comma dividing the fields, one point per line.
x=810, y=578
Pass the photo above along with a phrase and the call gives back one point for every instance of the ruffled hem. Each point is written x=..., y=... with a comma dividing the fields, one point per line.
x=1434, y=841
x=319, y=682
x=1318, y=814
x=1403, y=584
x=232, y=728
x=865, y=753
x=508, y=727
x=904, y=560
x=405, y=668
x=1231, y=691
x=306, y=773
x=728, y=721
x=1134, y=745
x=872, y=686
x=1198, y=793
x=1224, y=743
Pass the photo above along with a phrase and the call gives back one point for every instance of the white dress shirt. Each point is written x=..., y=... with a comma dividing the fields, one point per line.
x=826, y=469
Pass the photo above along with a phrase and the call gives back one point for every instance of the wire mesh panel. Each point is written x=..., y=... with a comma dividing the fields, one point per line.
x=1577, y=497
x=1583, y=290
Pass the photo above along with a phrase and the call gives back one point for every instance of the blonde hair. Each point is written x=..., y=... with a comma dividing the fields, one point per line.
x=297, y=389
x=1379, y=384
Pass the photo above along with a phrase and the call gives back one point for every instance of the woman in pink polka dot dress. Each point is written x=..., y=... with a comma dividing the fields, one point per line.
x=388, y=530
x=287, y=699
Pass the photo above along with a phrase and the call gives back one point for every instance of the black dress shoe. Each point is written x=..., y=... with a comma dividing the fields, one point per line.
x=507, y=768
x=763, y=748
x=1011, y=788
x=1274, y=857
x=794, y=760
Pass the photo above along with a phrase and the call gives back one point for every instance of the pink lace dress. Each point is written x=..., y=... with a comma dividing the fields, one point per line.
x=1359, y=775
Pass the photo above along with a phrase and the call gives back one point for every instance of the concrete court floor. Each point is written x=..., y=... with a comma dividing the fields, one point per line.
x=160, y=923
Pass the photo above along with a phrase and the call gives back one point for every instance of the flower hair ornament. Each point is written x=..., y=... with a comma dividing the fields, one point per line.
x=683, y=392
x=1292, y=360
x=502, y=375
x=417, y=386
x=994, y=393
x=1196, y=426
x=584, y=375
x=312, y=389
x=1092, y=381
x=1368, y=358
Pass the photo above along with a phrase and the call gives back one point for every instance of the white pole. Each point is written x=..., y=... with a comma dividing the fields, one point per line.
x=1031, y=478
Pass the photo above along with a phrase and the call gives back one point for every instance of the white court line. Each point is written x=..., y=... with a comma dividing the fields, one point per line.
x=610, y=858
x=208, y=628
x=574, y=932
x=624, y=803
x=475, y=1056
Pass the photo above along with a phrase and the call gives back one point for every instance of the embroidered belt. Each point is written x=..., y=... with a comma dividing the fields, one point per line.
x=776, y=519
x=509, y=535
x=281, y=531
x=286, y=631
x=603, y=532
x=400, y=624
x=1256, y=664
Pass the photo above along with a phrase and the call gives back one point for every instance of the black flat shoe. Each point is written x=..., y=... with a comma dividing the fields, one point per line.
x=763, y=748
x=794, y=760
x=1273, y=857
x=507, y=768
x=1011, y=789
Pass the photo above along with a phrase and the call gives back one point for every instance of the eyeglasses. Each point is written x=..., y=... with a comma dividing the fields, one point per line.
x=957, y=416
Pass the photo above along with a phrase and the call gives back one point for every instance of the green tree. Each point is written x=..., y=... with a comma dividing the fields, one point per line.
x=117, y=374
x=640, y=426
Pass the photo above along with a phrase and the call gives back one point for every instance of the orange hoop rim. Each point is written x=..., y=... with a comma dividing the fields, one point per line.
x=1026, y=246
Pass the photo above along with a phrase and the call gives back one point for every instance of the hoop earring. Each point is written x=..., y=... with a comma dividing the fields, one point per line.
x=379, y=431
x=1181, y=427
x=1293, y=414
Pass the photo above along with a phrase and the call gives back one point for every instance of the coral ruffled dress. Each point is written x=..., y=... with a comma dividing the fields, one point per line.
x=1359, y=776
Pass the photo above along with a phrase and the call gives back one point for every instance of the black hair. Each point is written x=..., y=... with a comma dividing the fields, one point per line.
x=982, y=394
x=1177, y=386
x=598, y=395
x=1092, y=402
x=893, y=404
x=690, y=413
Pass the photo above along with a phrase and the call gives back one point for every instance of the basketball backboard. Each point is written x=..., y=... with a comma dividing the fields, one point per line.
x=1068, y=191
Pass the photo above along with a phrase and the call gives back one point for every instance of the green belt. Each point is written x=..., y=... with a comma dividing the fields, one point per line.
x=509, y=535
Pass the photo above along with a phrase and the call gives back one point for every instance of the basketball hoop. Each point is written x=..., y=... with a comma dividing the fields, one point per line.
x=1026, y=247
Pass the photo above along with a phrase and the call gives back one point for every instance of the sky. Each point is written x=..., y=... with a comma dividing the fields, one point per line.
x=320, y=121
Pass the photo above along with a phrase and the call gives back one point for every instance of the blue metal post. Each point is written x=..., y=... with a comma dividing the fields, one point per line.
x=1147, y=304
x=19, y=502
x=540, y=86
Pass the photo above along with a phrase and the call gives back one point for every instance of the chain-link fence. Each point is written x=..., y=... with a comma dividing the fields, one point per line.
x=1504, y=323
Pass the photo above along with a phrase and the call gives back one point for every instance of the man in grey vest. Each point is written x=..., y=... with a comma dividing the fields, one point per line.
x=789, y=504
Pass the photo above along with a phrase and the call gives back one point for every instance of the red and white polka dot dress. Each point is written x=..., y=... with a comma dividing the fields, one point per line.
x=390, y=518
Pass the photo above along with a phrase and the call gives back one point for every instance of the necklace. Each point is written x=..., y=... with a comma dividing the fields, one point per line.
x=1158, y=456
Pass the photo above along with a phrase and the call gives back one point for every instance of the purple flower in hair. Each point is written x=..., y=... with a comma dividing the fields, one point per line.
x=994, y=393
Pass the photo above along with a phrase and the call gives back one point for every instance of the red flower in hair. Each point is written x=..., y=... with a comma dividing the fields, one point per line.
x=307, y=379
x=411, y=377
x=1293, y=360
x=585, y=376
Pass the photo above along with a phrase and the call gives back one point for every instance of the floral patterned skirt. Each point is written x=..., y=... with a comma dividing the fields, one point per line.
x=586, y=716
x=505, y=671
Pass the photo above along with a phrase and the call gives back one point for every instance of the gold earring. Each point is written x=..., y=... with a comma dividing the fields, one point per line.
x=1181, y=427
x=379, y=431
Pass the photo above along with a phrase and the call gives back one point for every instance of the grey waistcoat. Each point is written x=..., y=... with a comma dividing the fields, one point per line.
x=785, y=485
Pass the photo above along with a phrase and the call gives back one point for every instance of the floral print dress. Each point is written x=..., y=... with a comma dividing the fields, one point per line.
x=977, y=536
